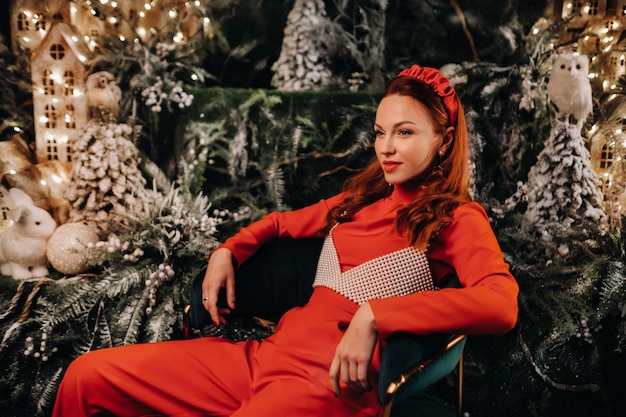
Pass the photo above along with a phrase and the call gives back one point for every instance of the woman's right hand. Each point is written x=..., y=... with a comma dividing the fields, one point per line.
x=220, y=273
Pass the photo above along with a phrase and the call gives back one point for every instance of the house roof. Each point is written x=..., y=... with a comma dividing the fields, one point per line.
x=71, y=37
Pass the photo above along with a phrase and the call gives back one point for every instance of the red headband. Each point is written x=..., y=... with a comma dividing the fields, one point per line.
x=439, y=84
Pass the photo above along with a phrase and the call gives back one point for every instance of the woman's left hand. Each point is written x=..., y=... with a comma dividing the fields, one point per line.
x=354, y=352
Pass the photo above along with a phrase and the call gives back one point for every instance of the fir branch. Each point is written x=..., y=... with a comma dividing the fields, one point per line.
x=132, y=317
x=48, y=395
x=101, y=333
x=466, y=31
x=544, y=377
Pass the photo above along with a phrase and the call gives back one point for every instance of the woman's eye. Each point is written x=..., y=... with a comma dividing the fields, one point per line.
x=404, y=132
x=379, y=133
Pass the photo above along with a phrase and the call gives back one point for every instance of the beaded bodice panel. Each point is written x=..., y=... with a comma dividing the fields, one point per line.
x=402, y=272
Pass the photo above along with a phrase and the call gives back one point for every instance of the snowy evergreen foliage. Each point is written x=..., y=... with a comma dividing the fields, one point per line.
x=562, y=191
x=105, y=178
x=303, y=63
x=135, y=292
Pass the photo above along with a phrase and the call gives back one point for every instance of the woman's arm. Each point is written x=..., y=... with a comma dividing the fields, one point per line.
x=220, y=272
x=302, y=223
x=487, y=303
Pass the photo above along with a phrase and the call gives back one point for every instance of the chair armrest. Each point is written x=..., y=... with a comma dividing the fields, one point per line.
x=410, y=363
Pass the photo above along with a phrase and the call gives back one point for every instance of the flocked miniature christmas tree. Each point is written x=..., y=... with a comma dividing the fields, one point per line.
x=303, y=61
x=562, y=193
x=105, y=177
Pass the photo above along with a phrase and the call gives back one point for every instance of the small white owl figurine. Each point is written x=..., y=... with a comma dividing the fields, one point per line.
x=569, y=87
x=103, y=94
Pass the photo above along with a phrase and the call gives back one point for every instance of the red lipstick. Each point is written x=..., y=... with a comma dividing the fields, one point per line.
x=389, y=166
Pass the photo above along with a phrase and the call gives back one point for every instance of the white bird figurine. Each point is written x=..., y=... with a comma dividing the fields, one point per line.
x=569, y=87
x=103, y=93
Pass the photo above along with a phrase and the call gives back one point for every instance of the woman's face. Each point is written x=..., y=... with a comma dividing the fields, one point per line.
x=406, y=143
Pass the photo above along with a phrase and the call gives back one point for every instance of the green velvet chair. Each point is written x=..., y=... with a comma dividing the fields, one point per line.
x=279, y=277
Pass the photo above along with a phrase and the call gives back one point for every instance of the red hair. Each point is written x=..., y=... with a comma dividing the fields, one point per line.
x=446, y=186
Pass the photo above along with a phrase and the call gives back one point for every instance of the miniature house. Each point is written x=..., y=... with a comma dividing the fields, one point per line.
x=31, y=19
x=59, y=101
x=128, y=19
x=5, y=208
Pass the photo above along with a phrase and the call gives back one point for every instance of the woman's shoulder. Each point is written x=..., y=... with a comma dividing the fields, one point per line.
x=470, y=208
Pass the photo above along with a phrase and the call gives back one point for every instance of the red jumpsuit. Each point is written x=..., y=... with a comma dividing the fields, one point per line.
x=287, y=373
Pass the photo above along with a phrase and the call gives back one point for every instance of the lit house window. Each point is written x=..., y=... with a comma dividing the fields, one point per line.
x=57, y=17
x=40, y=22
x=606, y=157
x=68, y=87
x=50, y=114
x=23, y=22
x=4, y=214
x=69, y=118
x=52, y=149
x=57, y=51
x=68, y=152
x=48, y=83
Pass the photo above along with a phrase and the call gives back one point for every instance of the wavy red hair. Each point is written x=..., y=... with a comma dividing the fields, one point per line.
x=446, y=186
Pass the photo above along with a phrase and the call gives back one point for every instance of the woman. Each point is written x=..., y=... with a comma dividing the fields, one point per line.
x=402, y=227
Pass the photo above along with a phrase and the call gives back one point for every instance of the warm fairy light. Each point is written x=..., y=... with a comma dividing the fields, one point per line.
x=63, y=139
x=43, y=119
x=179, y=37
x=112, y=20
x=618, y=131
x=194, y=77
x=141, y=13
x=77, y=92
x=172, y=13
x=122, y=38
x=104, y=1
x=141, y=31
x=82, y=58
x=147, y=6
x=114, y=4
x=75, y=38
x=56, y=178
x=26, y=39
x=197, y=3
x=43, y=182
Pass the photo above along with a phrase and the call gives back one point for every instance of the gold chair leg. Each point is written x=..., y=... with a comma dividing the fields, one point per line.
x=387, y=408
x=459, y=405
